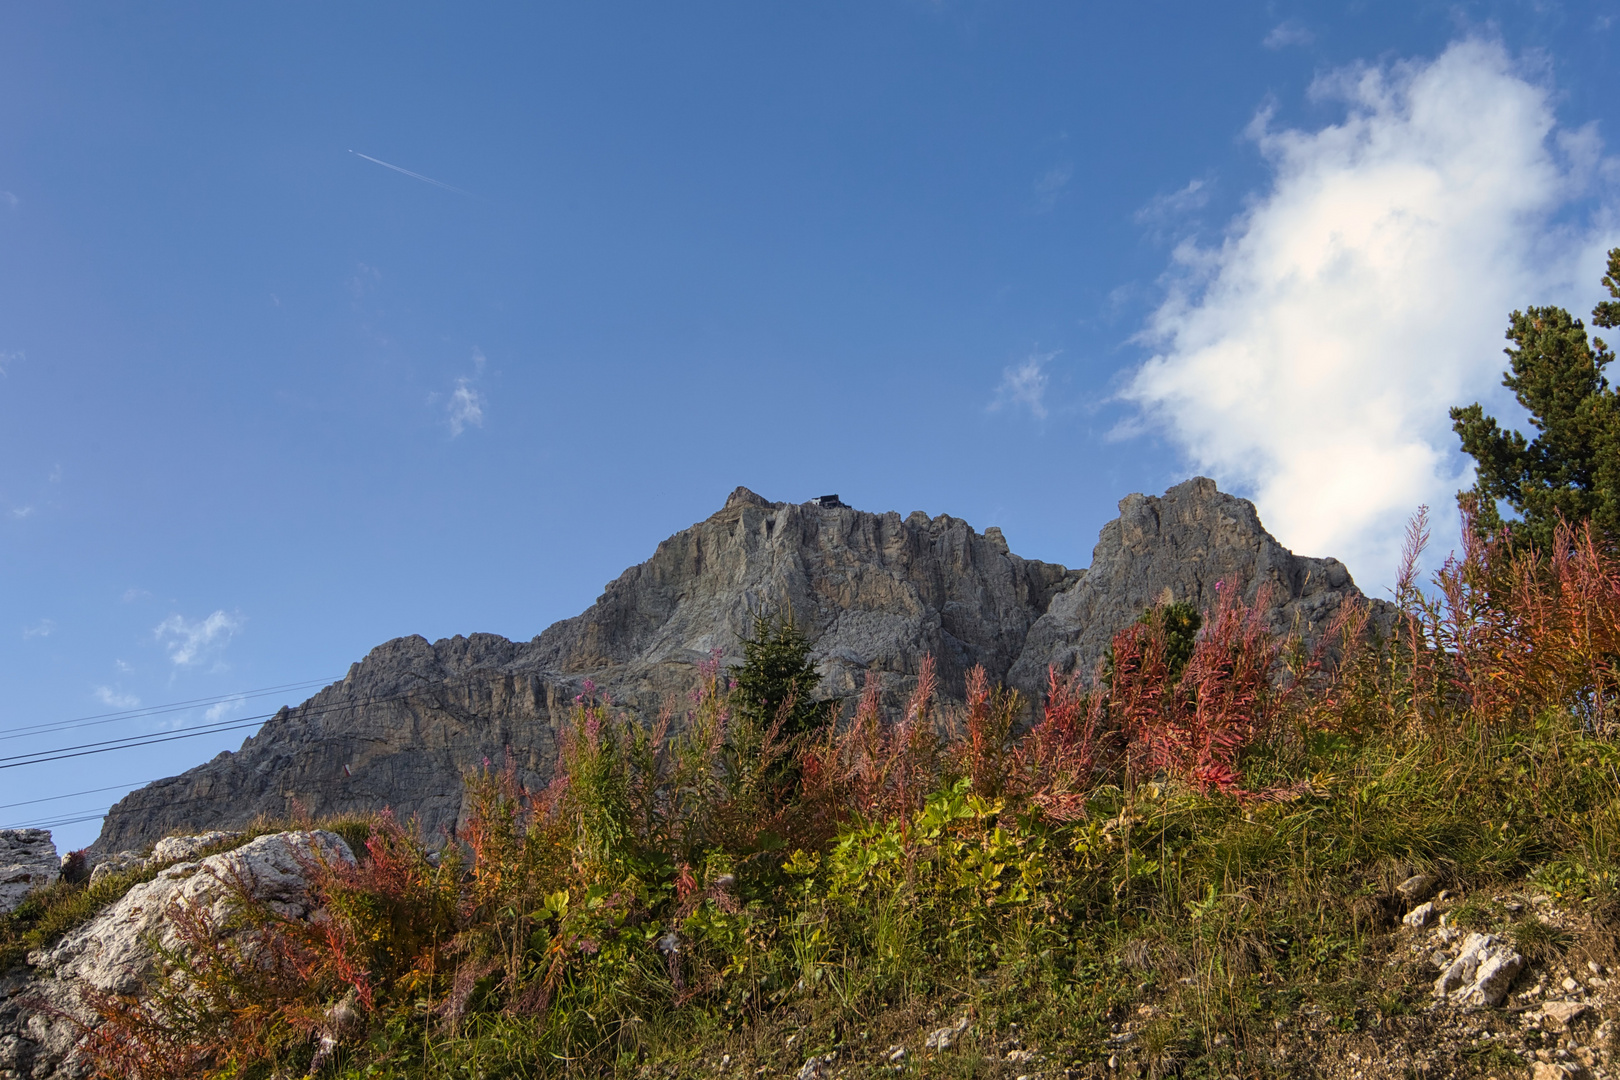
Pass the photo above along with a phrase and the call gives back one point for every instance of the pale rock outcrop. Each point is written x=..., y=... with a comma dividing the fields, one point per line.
x=1558, y=1015
x=1417, y=887
x=116, y=863
x=942, y=1038
x=177, y=848
x=1481, y=974
x=113, y=952
x=43, y=1013
x=1421, y=916
x=28, y=861
x=876, y=593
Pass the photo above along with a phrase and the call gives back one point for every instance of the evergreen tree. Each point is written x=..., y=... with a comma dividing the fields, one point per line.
x=1571, y=469
x=1179, y=622
x=776, y=666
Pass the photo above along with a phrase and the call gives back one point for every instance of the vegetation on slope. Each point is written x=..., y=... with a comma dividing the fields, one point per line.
x=1201, y=842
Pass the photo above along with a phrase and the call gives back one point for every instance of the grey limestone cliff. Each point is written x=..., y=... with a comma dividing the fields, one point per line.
x=875, y=592
x=1179, y=546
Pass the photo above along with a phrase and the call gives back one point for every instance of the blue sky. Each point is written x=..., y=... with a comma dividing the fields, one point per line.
x=267, y=402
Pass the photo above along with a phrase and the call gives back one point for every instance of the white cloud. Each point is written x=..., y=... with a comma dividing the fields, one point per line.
x=9, y=199
x=1288, y=33
x=132, y=595
x=188, y=641
x=1181, y=201
x=220, y=710
x=364, y=280
x=121, y=666
x=9, y=358
x=1024, y=386
x=1310, y=358
x=113, y=699
x=21, y=512
x=42, y=628
x=1171, y=215
x=1049, y=185
x=466, y=407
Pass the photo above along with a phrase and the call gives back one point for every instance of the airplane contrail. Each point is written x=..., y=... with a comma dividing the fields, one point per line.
x=413, y=175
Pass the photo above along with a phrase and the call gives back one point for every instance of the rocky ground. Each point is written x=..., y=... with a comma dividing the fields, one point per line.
x=45, y=1007
x=1525, y=986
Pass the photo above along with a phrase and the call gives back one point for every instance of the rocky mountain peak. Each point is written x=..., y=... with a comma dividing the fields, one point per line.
x=1179, y=546
x=743, y=497
x=876, y=593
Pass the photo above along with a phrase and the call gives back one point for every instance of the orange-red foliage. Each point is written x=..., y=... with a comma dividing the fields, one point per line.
x=1227, y=698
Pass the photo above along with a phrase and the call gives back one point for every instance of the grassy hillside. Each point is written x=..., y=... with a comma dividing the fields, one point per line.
x=1187, y=866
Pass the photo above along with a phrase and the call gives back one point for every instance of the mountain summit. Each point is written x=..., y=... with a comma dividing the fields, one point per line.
x=874, y=592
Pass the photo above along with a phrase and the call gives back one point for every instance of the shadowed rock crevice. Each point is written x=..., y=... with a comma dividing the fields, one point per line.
x=875, y=592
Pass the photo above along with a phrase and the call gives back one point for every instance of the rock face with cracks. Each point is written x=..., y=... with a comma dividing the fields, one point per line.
x=45, y=1009
x=27, y=862
x=876, y=593
x=1181, y=546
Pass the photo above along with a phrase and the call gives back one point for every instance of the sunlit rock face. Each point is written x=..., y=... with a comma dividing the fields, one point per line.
x=1180, y=546
x=28, y=861
x=876, y=593
x=48, y=1005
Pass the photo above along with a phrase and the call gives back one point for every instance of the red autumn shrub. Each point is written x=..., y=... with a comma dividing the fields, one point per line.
x=875, y=768
x=1195, y=726
x=1057, y=763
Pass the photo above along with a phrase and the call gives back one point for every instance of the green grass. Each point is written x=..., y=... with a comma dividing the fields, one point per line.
x=1242, y=917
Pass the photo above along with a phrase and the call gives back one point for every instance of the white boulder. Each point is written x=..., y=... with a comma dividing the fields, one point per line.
x=1482, y=972
x=177, y=848
x=1421, y=916
x=113, y=952
x=116, y=863
x=117, y=951
x=28, y=861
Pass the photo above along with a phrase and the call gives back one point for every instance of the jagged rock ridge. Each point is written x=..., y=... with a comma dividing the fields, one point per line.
x=1181, y=544
x=876, y=592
